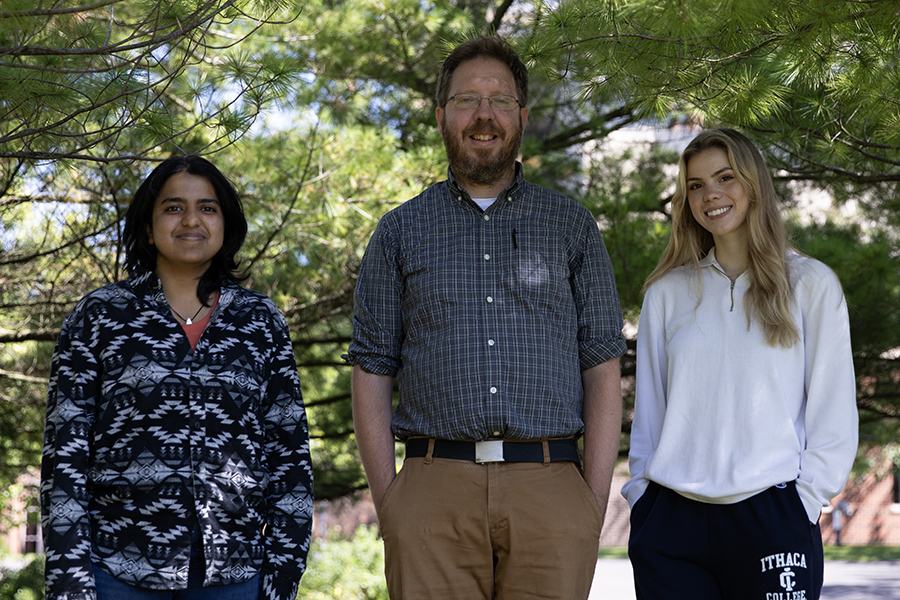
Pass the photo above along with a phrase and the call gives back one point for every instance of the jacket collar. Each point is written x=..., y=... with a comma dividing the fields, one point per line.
x=146, y=285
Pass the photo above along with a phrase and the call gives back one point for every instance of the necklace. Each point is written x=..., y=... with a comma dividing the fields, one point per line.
x=186, y=321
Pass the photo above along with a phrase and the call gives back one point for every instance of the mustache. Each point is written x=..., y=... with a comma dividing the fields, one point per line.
x=484, y=129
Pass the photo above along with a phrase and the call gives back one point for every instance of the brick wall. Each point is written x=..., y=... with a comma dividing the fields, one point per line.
x=875, y=518
x=616, y=527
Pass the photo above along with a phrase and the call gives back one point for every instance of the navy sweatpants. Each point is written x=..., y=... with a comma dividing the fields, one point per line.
x=763, y=548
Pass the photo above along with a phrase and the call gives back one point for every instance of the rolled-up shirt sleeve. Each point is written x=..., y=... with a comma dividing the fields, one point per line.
x=377, y=320
x=597, y=301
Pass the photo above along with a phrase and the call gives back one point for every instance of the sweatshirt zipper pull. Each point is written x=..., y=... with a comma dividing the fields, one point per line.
x=732, y=294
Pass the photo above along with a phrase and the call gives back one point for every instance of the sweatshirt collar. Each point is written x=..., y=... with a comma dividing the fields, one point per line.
x=710, y=259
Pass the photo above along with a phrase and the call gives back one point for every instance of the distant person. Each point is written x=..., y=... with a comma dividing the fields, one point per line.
x=745, y=420
x=493, y=304
x=176, y=454
x=837, y=519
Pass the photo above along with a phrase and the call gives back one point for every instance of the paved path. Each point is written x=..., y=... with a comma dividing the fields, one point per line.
x=861, y=581
x=843, y=581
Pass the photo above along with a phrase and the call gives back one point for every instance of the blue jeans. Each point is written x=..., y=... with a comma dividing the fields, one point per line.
x=110, y=588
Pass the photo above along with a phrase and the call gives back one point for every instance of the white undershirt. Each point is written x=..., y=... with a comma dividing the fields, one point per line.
x=484, y=203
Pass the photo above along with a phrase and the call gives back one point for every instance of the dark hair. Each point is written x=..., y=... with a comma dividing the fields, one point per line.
x=140, y=254
x=488, y=47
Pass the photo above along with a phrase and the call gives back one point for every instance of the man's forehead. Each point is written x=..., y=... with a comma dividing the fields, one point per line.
x=482, y=70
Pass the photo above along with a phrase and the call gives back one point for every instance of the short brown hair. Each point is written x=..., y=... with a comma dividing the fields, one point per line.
x=488, y=47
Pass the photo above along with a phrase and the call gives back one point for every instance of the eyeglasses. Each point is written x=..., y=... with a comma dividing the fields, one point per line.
x=466, y=101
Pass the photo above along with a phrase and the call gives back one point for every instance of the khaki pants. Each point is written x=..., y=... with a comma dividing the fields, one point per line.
x=457, y=530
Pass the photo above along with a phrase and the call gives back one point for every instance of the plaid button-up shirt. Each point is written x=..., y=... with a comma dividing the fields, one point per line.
x=486, y=318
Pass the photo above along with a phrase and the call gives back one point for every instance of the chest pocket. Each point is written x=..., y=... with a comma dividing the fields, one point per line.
x=538, y=268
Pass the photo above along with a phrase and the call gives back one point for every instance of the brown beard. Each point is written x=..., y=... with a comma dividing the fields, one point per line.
x=478, y=168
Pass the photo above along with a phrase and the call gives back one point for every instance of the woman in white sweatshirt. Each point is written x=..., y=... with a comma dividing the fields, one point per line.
x=745, y=419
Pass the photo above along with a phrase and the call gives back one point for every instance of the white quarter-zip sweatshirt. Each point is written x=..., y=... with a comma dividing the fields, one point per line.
x=719, y=414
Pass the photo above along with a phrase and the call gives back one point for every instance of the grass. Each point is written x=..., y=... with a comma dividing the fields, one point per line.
x=846, y=553
x=862, y=553
x=617, y=552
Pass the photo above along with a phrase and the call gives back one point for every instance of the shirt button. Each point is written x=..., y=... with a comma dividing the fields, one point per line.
x=493, y=390
x=489, y=299
x=496, y=434
x=490, y=342
x=487, y=217
x=487, y=257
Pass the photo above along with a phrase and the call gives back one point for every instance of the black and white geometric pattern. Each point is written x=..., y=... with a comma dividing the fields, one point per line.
x=146, y=438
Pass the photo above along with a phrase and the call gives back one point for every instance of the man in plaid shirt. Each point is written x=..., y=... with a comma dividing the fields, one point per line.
x=492, y=303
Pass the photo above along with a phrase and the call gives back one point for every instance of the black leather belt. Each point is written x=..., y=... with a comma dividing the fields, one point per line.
x=495, y=450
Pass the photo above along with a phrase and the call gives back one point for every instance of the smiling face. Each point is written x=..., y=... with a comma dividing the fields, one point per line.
x=482, y=143
x=717, y=198
x=187, y=228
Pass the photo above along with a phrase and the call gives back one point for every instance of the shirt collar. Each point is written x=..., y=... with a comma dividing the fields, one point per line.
x=460, y=192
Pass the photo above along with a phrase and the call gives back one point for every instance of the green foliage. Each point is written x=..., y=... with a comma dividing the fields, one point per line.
x=26, y=583
x=312, y=196
x=869, y=269
x=351, y=569
x=114, y=79
x=627, y=193
x=816, y=79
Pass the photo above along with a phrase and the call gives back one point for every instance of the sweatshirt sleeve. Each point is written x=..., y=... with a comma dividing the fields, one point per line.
x=831, y=418
x=73, y=392
x=289, y=494
x=650, y=396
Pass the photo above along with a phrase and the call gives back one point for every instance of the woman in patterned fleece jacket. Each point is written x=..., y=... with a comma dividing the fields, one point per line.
x=176, y=452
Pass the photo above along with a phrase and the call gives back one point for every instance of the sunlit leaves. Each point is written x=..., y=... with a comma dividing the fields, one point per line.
x=751, y=64
x=74, y=79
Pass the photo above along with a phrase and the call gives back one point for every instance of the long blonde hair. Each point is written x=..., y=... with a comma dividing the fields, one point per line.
x=769, y=296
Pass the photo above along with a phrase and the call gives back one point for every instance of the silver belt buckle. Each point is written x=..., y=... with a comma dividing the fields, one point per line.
x=488, y=451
